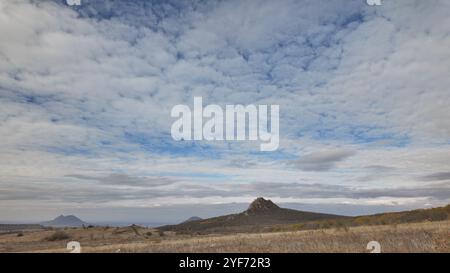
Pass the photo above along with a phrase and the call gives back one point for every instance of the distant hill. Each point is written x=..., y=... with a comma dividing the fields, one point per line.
x=264, y=215
x=65, y=221
x=191, y=219
x=261, y=212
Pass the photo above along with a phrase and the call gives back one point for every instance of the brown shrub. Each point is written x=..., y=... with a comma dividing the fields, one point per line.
x=58, y=236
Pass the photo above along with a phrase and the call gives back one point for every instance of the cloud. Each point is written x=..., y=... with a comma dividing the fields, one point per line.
x=323, y=160
x=87, y=91
x=436, y=176
x=127, y=180
x=380, y=168
x=439, y=191
x=310, y=191
x=138, y=195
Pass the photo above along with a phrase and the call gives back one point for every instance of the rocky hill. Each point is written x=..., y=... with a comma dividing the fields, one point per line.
x=261, y=213
x=65, y=221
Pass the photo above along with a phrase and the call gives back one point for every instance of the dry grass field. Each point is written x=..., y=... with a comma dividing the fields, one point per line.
x=413, y=237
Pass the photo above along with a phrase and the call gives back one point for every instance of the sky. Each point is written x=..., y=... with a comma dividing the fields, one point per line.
x=86, y=93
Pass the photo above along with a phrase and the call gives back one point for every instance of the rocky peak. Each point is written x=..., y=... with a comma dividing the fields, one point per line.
x=261, y=205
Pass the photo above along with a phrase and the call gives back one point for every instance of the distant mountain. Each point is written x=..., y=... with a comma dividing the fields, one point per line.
x=65, y=221
x=191, y=219
x=260, y=213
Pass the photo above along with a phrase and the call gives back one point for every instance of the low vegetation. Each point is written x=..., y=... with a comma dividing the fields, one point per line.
x=412, y=237
x=57, y=236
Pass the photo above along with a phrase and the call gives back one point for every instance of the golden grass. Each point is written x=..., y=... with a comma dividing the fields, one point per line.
x=416, y=237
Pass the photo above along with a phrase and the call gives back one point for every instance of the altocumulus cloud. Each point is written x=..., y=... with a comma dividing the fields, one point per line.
x=126, y=180
x=322, y=160
x=85, y=95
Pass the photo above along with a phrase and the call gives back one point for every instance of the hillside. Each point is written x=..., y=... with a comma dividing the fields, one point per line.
x=391, y=218
x=420, y=215
x=261, y=213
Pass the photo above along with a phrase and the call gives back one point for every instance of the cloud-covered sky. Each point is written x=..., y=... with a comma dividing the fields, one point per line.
x=86, y=94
